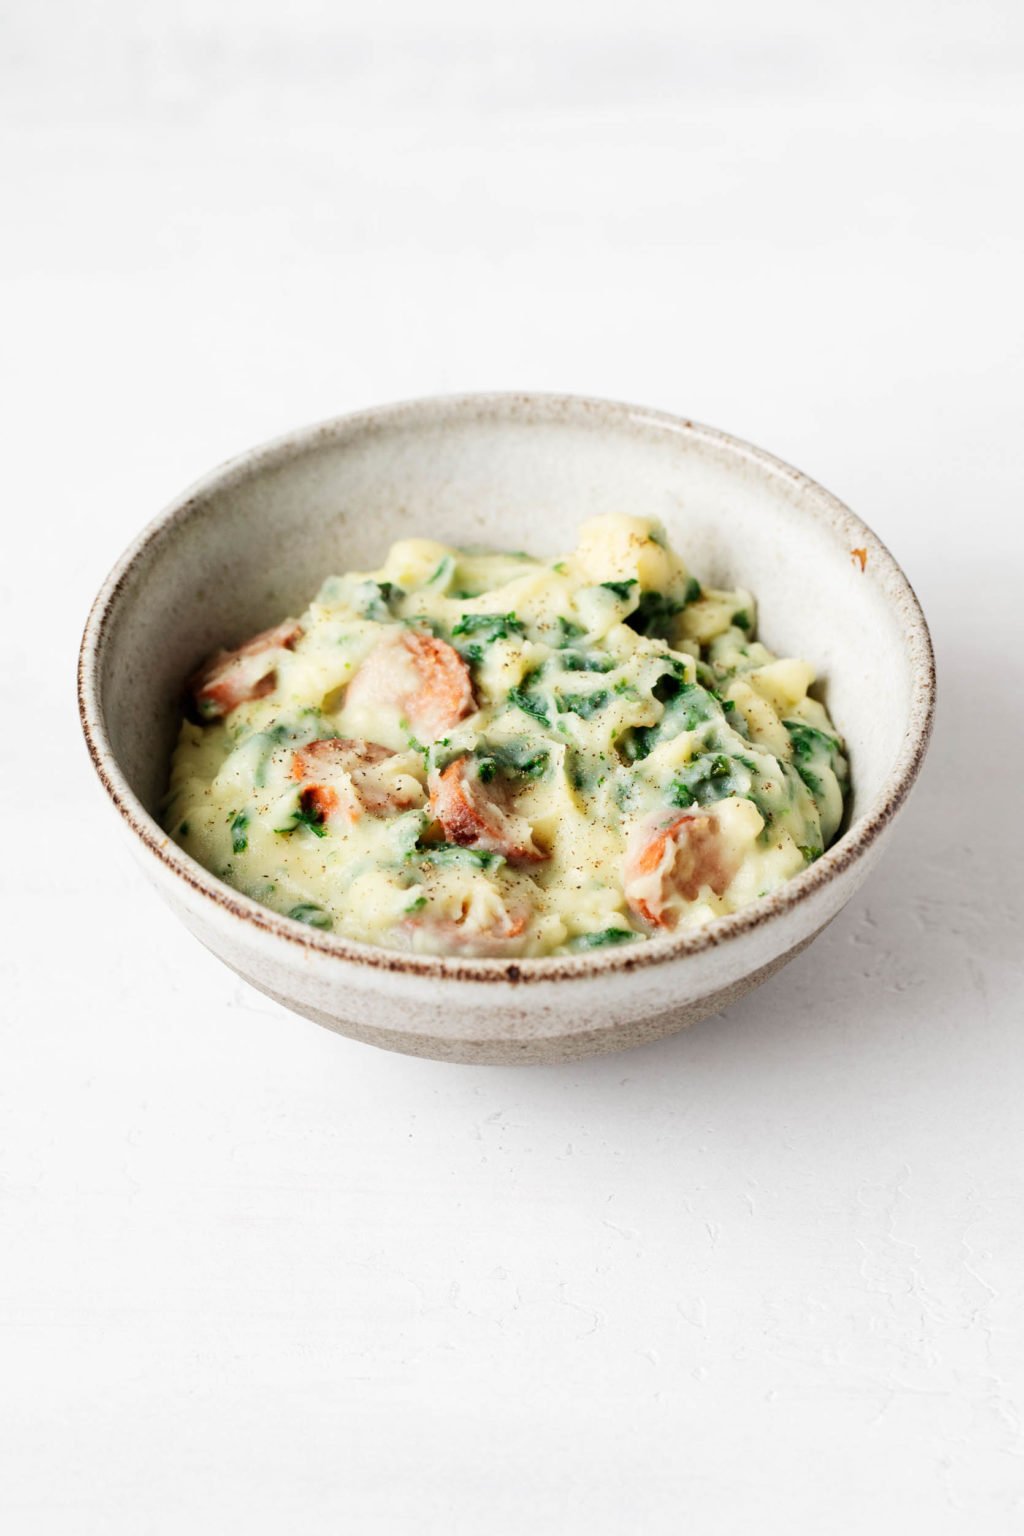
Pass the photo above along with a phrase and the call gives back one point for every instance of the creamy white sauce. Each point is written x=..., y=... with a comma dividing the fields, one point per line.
x=562, y=755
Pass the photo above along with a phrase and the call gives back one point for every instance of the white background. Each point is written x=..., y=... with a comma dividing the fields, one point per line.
x=766, y=1276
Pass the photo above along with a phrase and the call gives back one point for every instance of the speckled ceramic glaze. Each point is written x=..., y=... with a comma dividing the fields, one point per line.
x=253, y=542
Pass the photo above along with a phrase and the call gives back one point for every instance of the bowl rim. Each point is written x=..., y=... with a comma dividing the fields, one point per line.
x=530, y=408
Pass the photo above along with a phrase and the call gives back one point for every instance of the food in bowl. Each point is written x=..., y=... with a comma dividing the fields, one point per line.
x=486, y=754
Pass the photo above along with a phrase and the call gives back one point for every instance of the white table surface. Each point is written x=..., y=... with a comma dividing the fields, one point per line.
x=766, y=1276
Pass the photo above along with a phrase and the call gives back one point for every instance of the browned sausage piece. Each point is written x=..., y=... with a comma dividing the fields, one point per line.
x=230, y=678
x=343, y=775
x=473, y=814
x=675, y=857
x=423, y=678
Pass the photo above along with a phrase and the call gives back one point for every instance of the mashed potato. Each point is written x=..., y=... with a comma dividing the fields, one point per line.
x=486, y=754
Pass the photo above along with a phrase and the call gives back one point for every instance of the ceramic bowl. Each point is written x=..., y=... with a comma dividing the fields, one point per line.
x=254, y=540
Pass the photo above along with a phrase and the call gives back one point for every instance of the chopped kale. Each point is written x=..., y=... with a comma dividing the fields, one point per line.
x=808, y=741
x=653, y=615
x=689, y=707
x=308, y=912
x=442, y=573
x=454, y=853
x=706, y=778
x=587, y=661
x=306, y=814
x=417, y=746
x=812, y=751
x=668, y=687
x=583, y=704
x=239, y=831
x=309, y=816
x=576, y=770
x=377, y=599
x=529, y=702
x=568, y=630
x=584, y=941
x=405, y=831
x=623, y=590
x=513, y=759
x=489, y=626
x=719, y=767
x=809, y=777
x=637, y=743
x=524, y=759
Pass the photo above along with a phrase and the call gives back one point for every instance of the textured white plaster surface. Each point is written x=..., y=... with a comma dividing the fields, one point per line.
x=765, y=1276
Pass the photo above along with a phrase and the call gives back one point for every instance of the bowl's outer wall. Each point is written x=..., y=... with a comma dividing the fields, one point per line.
x=255, y=541
x=511, y=1022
